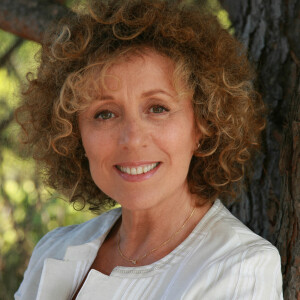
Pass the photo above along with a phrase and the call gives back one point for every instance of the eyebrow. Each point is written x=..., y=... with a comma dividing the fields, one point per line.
x=144, y=94
x=155, y=91
x=105, y=97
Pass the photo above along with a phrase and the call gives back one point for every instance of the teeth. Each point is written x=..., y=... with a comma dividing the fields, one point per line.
x=138, y=170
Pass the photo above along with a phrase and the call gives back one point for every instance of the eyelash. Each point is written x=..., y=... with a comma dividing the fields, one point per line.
x=97, y=115
x=159, y=106
x=112, y=115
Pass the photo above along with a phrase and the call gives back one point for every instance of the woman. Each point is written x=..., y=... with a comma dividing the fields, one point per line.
x=150, y=105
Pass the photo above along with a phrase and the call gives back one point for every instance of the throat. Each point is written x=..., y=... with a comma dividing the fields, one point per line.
x=158, y=247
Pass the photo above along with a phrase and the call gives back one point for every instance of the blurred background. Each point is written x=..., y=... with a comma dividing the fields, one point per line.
x=28, y=210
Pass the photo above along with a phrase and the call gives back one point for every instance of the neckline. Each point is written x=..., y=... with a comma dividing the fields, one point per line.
x=121, y=271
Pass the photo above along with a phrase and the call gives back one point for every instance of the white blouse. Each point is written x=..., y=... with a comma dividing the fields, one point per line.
x=220, y=259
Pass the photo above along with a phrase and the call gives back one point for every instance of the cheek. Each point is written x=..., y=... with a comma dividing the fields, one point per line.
x=179, y=138
x=90, y=144
x=98, y=152
x=96, y=143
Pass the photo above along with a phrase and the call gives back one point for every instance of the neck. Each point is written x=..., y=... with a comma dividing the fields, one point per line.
x=143, y=230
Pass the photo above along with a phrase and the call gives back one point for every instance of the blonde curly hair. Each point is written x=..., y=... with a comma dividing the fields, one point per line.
x=212, y=63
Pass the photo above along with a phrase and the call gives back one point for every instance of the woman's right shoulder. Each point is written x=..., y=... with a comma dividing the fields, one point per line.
x=79, y=233
x=55, y=244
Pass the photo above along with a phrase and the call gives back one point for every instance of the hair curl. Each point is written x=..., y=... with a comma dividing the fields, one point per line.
x=212, y=63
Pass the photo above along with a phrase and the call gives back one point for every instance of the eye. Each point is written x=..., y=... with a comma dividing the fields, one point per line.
x=104, y=115
x=158, y=109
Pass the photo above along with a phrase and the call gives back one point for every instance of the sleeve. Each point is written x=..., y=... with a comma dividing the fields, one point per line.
x=260, y=275
x=31, y=279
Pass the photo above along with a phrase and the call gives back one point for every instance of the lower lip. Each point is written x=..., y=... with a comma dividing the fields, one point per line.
x=138, y=177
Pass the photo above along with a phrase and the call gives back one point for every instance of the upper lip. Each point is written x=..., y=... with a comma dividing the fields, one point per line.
x=136, y=164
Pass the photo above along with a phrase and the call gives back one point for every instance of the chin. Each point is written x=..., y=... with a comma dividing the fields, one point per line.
x=137, y=202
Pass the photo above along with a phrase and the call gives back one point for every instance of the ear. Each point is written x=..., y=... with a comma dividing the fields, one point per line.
x=198, y=132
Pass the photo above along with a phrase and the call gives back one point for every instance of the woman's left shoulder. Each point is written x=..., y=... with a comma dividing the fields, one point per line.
x=227, y=237
x=223, y=223
x=246, y=263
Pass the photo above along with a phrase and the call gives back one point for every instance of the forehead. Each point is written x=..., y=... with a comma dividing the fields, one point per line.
x=147, y=59
x=139, y=71
x=145, y=69
x=148, y=68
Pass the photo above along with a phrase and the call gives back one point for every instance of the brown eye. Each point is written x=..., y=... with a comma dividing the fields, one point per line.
x=104, y=115
x=158, y=109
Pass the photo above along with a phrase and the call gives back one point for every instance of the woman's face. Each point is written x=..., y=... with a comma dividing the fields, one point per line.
x=139, y=137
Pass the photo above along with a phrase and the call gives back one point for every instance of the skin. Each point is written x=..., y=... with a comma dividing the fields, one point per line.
x=136, y=119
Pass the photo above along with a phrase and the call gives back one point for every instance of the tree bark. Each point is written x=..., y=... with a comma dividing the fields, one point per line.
x=271, y=207
x=28, y=19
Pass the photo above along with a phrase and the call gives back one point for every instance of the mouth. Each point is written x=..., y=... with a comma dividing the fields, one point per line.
x=138, y=170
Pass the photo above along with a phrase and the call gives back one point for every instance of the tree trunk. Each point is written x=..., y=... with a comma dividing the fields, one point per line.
x=271, y=207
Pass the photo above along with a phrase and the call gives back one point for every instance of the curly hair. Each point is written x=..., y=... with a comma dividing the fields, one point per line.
x=213, y=64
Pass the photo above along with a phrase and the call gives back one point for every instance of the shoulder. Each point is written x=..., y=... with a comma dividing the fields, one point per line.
x=55, y=243
x=223, y=224
x=228, y=238
x=251, y=263
x=62, y=237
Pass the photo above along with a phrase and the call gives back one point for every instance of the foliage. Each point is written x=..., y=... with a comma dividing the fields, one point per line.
x=27, y=209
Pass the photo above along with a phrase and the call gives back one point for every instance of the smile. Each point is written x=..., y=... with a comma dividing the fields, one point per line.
x=138, y=170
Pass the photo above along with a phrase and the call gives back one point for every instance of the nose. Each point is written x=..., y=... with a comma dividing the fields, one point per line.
x=133, y=134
